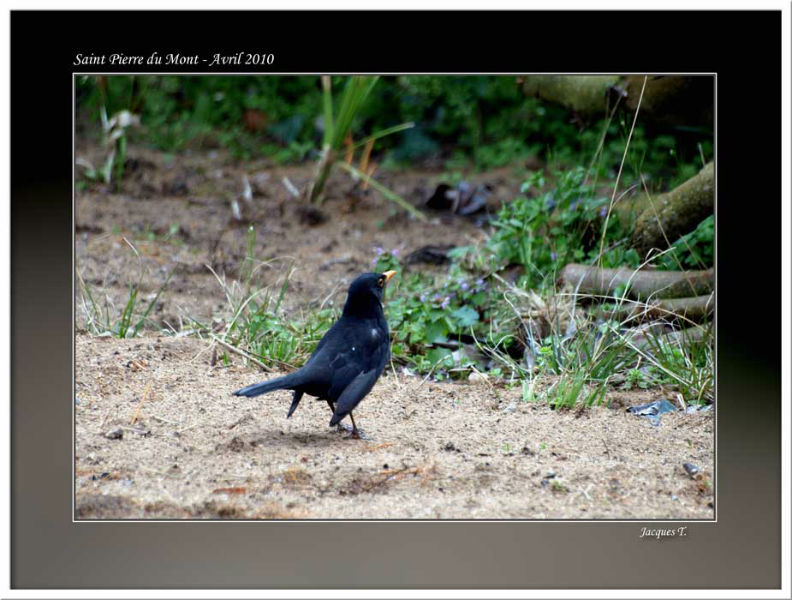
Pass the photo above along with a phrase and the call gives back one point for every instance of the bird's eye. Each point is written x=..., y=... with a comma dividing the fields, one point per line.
x=381, y=281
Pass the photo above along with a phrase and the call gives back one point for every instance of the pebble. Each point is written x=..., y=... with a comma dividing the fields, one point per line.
x=115, y=434
x=691, y=469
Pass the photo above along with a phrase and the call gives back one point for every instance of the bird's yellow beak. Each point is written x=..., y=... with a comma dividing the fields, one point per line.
x=388, y=275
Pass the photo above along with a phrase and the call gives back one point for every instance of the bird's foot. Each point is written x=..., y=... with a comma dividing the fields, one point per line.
x=354, y=433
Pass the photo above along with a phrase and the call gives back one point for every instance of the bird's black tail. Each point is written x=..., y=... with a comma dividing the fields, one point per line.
x=280, y=383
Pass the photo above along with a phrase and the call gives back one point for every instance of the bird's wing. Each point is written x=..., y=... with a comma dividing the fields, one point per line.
x=358, y=353
x=347, y=350
x=354, y=393
x=329, y=334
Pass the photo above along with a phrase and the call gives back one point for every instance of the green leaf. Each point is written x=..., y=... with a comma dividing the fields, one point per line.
x=436, y=332
x=466, y=316
x=441, y=356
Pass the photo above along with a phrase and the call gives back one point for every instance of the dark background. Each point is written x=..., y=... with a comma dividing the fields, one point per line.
x=741, y=550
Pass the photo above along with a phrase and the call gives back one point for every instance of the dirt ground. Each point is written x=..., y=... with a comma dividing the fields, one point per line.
x=158, y=434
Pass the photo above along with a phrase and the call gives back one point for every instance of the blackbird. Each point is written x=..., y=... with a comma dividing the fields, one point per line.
x=348, y=359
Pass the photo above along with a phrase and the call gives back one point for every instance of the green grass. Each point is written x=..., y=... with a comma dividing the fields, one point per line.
x=685, y=362
x=102, y=317
x=257, y=325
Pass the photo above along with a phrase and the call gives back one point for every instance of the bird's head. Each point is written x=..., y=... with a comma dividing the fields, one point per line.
x=366, y=291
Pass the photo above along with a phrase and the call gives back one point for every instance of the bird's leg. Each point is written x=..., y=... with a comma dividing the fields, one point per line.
x=355, y=433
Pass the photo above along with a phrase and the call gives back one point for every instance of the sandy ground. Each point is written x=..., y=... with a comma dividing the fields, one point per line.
x=158, y=434
x=188, y=449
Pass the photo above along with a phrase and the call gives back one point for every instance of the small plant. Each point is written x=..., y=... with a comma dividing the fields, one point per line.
x=546, y=230
x=693, y=250
x=685, y=361
x=337, y=133
x=257, y=326
x=115, y=139
x=557, y=487
x=259, y=329
x=106, y=319
x=428, y=316
x=636, y=379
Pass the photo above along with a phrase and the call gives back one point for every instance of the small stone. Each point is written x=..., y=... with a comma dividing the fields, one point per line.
x=691, y=469
x=476, y=377
x=115, y=434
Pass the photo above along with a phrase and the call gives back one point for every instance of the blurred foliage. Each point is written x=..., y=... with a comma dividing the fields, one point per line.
x=561, y=223
x=480, y=122
x=694, y=250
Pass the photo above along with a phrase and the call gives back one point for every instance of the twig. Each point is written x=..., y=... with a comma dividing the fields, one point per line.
x=247, y=192
x=136, y=414
x=379, y=446
x=290, y=187
x=164, y=420
x=607, y=450
x=618, y=175
x=392, y=196
x=395, y=375
x=391, y=474
x=201, y=351
x=135, y=250
x=104, y=418
x=241, y=353
x=235, y=210
x=183, y=429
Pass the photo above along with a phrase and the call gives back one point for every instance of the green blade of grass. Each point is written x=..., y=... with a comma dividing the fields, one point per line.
x=392, y=196
x=151, y=305
x=355, y=93
x=126, y=314
x=284, y=287
x=327, y=105
x=383, y=133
